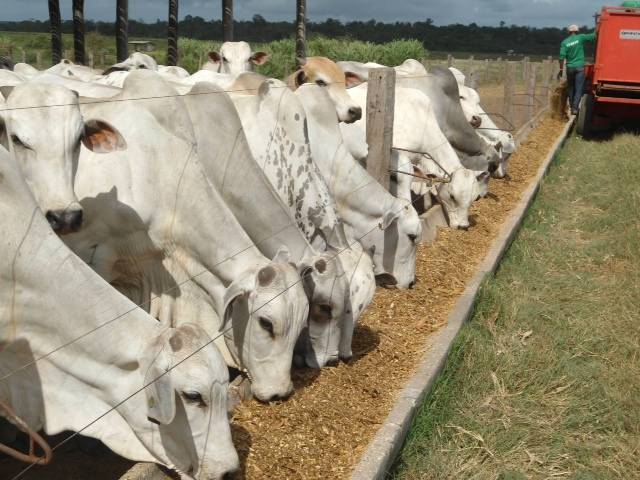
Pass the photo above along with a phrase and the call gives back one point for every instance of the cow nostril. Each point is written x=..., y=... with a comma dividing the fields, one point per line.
x=346, y=357
x=74, y=219
x=413, y=283
x=55, y=219
x=228, y=476
x=332, y=362
x=355, y=113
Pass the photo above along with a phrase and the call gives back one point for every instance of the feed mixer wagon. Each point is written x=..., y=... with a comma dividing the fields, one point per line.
x=612, y=87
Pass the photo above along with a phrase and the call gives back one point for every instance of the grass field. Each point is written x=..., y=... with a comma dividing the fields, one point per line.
x=193, y=52
x=544, y=382
x=34, y=47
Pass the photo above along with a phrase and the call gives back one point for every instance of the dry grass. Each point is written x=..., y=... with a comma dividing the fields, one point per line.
x=545, y=380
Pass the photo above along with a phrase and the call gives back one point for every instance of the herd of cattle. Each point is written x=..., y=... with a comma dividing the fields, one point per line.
x=217, y=220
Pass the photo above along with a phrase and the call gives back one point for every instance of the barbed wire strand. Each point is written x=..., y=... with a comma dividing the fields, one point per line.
x=199, y=349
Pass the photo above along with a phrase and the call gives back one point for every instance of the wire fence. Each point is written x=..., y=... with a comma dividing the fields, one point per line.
x=146, y=304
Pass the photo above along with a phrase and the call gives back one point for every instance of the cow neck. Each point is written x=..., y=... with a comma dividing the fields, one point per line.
x=230, y=167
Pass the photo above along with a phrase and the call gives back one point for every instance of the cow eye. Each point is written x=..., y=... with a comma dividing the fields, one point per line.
x=267, y=325
x=453, y=199
x=412, y=237
x=194, y=398
x=321, y=83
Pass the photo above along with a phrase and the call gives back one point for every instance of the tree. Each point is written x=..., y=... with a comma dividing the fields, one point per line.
x=56, y=31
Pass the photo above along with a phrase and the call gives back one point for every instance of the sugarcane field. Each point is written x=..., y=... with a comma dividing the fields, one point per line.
x=418, y=256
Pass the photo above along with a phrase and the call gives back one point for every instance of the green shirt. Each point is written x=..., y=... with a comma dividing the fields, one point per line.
x=572, y=48
x=632, y=3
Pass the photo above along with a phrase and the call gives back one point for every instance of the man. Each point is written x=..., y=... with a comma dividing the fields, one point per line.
x=572, y=50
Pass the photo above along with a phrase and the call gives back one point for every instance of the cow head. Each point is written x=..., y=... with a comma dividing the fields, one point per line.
x=459, y=193
x=265, y=310
x=326, y=74
x=236, y=58
x=186, y=426
x=327, y=289
x=392, y=246
x=43, y=127
x=135, y=61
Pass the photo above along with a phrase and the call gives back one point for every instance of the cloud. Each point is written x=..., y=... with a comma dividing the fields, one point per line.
x=483, y=12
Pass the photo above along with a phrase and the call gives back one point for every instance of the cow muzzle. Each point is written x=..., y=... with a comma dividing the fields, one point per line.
x=354, y=114
x=64, y=221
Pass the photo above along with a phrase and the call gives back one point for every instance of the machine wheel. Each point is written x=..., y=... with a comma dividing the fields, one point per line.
x=585, y=115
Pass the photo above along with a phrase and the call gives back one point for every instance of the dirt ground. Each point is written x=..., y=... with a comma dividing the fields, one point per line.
x=323, y=429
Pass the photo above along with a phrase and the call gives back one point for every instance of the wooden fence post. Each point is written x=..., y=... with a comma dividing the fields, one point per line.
x=227, y=20
x=78, y=32
x=526, y=65
x=23, y=56
x=472, y=79
x=38, y=59
x=531, y=90
x=67, y=54
x=509, y=92
x=381, y=93
x=103, y=59
x=56, y=31
x=546, y=78
x=450, y=60
x=470, y=65
x=91, y=60
x=301, y=32
x=487, y=70
x=172, y=34
x=122, y=30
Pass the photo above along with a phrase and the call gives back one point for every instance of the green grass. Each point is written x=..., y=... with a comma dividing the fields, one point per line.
x=193, y=52
x=544, y=382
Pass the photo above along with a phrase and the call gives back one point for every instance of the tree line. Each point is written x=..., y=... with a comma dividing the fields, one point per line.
x=449, y=38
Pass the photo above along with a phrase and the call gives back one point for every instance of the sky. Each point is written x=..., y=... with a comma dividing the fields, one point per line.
x=484, y=12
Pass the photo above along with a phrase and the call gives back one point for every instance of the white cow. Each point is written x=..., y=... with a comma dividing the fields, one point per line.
x=502, y=140
x=105, y=349
x=338, y=297
x=153, y=201
x=42, y=126
x=388, y=227
x=135, y=61
x=235, y=58
x=416, y=129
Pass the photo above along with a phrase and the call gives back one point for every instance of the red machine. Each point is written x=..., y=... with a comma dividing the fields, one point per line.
x=612, y=91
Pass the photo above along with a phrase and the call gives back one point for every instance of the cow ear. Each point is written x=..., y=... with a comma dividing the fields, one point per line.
x=238, y=289
x=6, y=91
x=388, y=219
x=260, y=58
x=214, y=57
x=483, y=177
x=352, y=79
x=300, y=78
x=4, y=135
x=283, y=255
x=100, y=137
x=160, y=394
x=421, y=175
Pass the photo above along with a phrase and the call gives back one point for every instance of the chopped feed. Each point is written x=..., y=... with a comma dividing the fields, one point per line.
x=322, y=431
